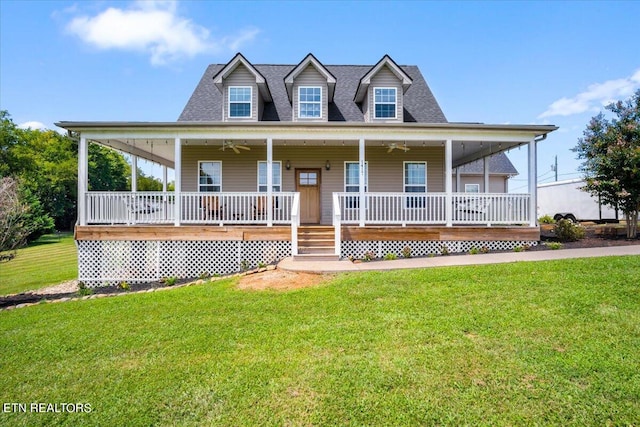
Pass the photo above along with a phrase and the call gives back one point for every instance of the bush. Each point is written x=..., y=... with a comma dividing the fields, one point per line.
x=546, y=219
x=554, y=245
x=567, y=231
x=406, y=252
x=390, y=257
x=444, y=250
x=369, y=255
x=474, y=251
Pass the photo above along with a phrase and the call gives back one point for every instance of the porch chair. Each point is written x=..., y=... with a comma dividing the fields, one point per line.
x=260, y=207
x=210, y=207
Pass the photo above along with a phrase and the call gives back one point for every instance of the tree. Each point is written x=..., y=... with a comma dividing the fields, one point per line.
x=611, y=153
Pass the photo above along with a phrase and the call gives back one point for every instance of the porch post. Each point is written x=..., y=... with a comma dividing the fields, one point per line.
x=177, y=200
x=269, y=181
x=164, y=179
x=134, y=173
x=533, y=183
x=361, y=171
x=448, y=182
x=83, y=179
x=486, y=173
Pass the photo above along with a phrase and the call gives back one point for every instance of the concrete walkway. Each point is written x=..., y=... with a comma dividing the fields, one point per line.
x=289, y=264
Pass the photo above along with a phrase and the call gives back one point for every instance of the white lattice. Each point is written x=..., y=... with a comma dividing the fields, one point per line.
x=110, y=262
x=380, y=248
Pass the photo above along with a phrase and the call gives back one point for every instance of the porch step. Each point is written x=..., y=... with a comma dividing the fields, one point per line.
x=316, y=257
x=316, y=240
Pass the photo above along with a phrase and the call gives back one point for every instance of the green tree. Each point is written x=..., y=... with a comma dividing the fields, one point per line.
x=610, y=150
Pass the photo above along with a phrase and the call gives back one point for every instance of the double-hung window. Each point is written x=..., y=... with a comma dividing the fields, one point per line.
x=352, y=182
x=415, y=181
x=210, y=176
x=384, y=101
x=276, y=180
x=309, y=102
x=472, y=188
x=276, y=173
x=239, y=101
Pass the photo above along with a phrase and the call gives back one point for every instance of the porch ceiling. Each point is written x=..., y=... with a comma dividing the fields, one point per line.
x=156, y=141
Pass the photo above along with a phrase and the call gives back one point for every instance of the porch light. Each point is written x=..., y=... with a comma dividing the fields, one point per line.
x=327, y=165
x=287, y=165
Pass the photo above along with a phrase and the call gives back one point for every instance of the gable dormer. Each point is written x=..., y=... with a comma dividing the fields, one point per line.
x=310, y=88
x=381, y=92
x=244, y=90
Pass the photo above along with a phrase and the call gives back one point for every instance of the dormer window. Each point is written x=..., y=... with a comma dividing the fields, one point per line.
x=385, y=102
x=240, y=101
x=309, y=102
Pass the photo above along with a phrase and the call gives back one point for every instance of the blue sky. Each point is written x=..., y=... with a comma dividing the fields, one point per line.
x=492, y=62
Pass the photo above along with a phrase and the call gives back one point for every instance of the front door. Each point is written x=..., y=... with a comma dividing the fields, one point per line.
x=308, y=185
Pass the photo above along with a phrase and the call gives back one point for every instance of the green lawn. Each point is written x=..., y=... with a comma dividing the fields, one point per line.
x=50, y=260
x=547, y=343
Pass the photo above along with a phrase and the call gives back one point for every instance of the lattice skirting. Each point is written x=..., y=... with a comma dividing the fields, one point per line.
x=380, y=248
x=108, y=262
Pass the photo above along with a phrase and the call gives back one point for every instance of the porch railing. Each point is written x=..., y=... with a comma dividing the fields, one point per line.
x=118, y=207
x=430, y=208
x=154, y=207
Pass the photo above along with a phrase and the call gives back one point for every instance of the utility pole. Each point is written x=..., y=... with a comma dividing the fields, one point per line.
x=554, y=167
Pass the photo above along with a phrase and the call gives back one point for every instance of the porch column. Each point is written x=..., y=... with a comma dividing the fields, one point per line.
x=164, y=179
x=533, y=183
x=134, y=173
x=361, y=182
x=178, y=182
x=83, y=179
x=486, y=173
x=448, y=182
x=269, y=182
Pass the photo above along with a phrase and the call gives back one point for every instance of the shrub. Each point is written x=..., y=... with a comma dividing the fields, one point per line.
x=554, y=245
x=390, y=257
x=406, y=252
x=170, y=281
x=124, y=286
x=518, y=249
x=474, y=251
x=369, y=255
x=484, y=250
x=546, y=219
x=567, y=231
x=262, y=265
x=83, y=289
x=444, y=250
x=244, y=265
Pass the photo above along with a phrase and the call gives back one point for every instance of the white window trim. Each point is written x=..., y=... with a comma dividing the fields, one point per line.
x=198, y=175
x=404, y=177
x=250, y=102
x=366, y=175
x=395, y=110
x=471, y=185
x=258, y=174
x=307, y=102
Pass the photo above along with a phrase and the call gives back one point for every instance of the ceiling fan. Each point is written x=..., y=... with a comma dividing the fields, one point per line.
x=235, y=147
x=394, y=146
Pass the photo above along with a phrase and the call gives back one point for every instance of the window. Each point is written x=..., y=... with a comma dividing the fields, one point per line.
x=472, y=188
x=415, y=181
x=385, y=102
x=352, y=182
x=210, y=176
x=276, y=169
x=240, y=101
x=309, y=102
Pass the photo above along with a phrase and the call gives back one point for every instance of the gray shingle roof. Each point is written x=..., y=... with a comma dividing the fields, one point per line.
x=499, y=164
x=420, y=105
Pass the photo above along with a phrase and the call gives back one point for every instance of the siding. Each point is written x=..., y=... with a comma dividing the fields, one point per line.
x=310, y=77
x=239, y=171
x=384, y=78
x=241, y=76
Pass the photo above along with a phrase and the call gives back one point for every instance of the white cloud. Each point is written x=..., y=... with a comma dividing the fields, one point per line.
x=595, y=97
x=155, y=28
x=33, y=125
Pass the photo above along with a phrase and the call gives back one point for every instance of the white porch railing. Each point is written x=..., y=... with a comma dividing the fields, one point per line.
x=118, y=207
x=430, y=208
x=235, y=208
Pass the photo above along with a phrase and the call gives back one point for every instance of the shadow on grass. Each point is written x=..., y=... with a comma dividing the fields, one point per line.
x=50, y=238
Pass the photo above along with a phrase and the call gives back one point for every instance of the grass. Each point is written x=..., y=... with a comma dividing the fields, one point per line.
x=546, y=343
x=49, y=260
